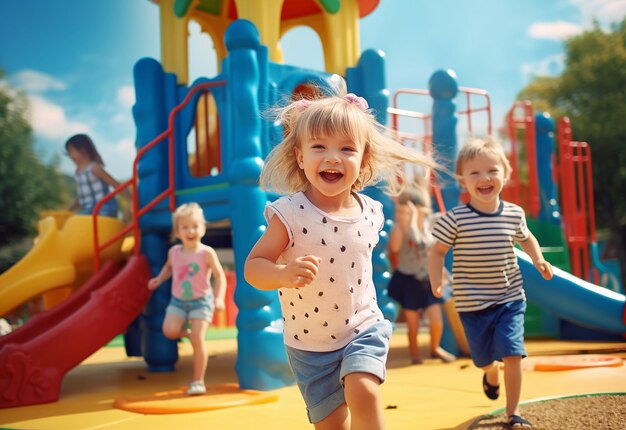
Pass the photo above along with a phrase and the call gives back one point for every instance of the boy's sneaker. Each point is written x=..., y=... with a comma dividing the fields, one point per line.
x=196, y=387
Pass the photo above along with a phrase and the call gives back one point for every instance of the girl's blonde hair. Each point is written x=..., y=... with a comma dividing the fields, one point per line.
x=186, y=210
x=305, y=120
x=418, y=193
x=487, y=145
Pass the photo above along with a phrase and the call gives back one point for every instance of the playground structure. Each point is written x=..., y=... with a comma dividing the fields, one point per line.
x=205, y=142
x=568, y=241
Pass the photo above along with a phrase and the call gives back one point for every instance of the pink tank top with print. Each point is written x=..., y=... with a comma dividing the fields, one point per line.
x=190, y=273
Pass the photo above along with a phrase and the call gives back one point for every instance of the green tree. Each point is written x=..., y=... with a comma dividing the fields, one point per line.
x=27, y=185
x=591, y=91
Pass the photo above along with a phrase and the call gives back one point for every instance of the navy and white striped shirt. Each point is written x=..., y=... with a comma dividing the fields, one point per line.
x=485, y=270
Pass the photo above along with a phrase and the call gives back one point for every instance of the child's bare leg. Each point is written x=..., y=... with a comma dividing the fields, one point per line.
x=492, y=372
x=200, y=357
x=435, y=319
x=338, y=420
x=413, y=325
x=174, y=326
x=363, y=398
x=513, y=383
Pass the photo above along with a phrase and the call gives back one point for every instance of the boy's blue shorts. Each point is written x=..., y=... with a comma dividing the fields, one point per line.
x=320, y=374
x=495, y=332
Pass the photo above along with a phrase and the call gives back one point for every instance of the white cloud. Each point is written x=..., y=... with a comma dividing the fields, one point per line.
x=126, y=146
x=605, y=11
x=49, y=120
x=36, y=82
x=126, y=96
x=549, y=66
x=557, y=30
x=118, y=156
x=202, y=55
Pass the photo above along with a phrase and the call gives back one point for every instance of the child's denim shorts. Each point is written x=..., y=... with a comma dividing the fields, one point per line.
x=495, y=332
x=109, y=209
x=320, y=374
x=201, y=308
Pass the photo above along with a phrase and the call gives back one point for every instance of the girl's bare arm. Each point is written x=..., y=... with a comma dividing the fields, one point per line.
x=261, y=270
x=219, y=278
x=436, y=257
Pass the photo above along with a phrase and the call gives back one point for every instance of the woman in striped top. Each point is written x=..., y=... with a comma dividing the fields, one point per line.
x=487, y=281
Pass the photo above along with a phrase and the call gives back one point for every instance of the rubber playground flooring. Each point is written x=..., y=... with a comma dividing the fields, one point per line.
x=433, y=395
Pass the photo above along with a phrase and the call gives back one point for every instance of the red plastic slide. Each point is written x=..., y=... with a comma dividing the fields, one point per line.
x=41, y=322
x=33, y=364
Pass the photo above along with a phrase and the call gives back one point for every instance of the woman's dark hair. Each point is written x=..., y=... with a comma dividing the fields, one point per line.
x=84, y=144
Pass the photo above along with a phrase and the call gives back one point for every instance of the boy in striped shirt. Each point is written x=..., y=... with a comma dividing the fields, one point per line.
x=488, y=288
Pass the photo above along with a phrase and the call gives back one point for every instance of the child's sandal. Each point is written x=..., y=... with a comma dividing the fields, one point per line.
x=517, y=422
x=491, y=391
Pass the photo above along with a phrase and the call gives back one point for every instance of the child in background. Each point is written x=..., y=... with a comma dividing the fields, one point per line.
x=488, y=290
x=191, y=264
x=411, y=239
x=92, y=181
x=317, y=252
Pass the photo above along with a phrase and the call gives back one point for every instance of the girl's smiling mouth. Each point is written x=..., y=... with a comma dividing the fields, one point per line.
x=331, y=175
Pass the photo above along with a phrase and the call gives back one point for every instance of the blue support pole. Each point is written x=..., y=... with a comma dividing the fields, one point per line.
x=368, y=80
x=443, y=88
x=261, y=359
x=153, y=103
x=549, y=208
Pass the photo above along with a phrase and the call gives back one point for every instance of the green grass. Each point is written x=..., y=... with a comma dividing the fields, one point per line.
x=211, y=334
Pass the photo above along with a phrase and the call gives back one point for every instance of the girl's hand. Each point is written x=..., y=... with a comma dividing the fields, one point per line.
x=300, y=272
x=153, y=284
x=544, y=268
x=437, y=290
x=219, y=304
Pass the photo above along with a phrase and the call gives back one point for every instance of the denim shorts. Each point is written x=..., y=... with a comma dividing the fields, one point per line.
x=109, y=209
x=412, y=294
x=495, y=332
x=201, y=308
x=320, y=374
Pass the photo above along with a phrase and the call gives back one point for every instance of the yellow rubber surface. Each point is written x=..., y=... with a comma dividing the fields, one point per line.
x=429, y=396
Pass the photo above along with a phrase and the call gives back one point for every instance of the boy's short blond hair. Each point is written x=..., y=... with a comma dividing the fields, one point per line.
x=186, y=210
x=487, y=145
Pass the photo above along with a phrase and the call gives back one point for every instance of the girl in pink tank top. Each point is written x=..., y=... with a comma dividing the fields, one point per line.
x=190, y=265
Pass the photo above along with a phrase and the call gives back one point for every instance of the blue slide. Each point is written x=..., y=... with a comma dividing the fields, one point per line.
x=573, y=299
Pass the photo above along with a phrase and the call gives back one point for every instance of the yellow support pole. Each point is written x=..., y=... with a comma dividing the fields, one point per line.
x=174, y=36
x=265, y=15
x=341, y=38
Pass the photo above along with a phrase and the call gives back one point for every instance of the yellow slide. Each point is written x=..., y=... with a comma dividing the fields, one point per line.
x=58, y=257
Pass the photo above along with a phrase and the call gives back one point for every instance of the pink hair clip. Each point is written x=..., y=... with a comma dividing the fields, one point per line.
x=301, y=104
x=359, y=101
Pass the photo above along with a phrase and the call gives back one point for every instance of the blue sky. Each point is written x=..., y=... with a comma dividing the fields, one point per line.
x=74, y=58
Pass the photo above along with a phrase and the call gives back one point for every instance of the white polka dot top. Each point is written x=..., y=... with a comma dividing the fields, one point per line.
x=341, y=301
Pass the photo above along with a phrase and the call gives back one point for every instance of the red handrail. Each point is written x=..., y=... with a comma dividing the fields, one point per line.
x=468, y=111
x=133, y=181
x=576, y=185
x=527, y=124
x=426, y=138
